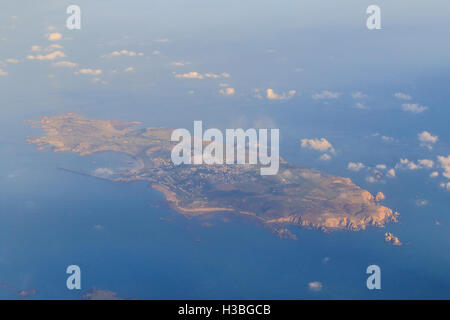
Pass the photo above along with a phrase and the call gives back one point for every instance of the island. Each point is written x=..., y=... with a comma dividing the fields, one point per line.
x=294, y=197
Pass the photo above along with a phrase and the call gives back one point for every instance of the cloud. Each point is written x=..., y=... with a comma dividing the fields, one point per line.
x=55, y=36
x=315, y=286
x=361, y=106
x=12, y=60
x=197, y=75
x=51, y=56
x=434, y=174
x=325, y=94
x=445, y=185
x=445, y=164
x=123, y=53
x=425, y=163
x=179, y=63
x=421, y=202
x=93, y=72
x=391, y=173
x=321, y=144
x=103, y=172
x=427, y=139
x=371, y=179
x=65, y=64
x=325, y=157
x=3, y=73
x=358, y=95
x=227, y=91
x=272, y=95
x=414, y=108
x=410, y=165
x=355, y=166
x=129, y=69
x=402, y=96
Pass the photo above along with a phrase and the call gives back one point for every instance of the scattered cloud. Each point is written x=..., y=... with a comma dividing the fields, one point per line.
x=227, y=91
x=427, y=139
x=390, y=173
x=64, y=64
x=93, y=72
x=325, y=94
x=197, y=75
x=322, y=145
x=358, y=95
x=272, y=95
x=325, y=157
x=371, y=179
x=180, y=63
x=355, y=166
x=411, y=165
x=129, y=69
x=445, y=164
x=402, y=96
x=3, y=73
x=123, y=53
x=12, y=61
x=361, y=106
x=55, y=36
x=446, y=186
x=434, y=174
x=51, y=56
x=421, y=202
x=315, y=286
x=414, y=108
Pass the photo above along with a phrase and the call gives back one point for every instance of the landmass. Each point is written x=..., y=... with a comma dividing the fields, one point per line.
x=294, y=197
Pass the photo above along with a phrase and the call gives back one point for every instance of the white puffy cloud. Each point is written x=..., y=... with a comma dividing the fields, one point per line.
x=325, y=94
x=315, y=286
x=322, y=144
x=411, y=165
x=227, y=91
x=445, y=164
x=54, y=36
x=434, y=174
x=426, y=163
x=93, y=72
x=413, y=107
x=371, y=179
x=124, y=52
x=402, y=96
x=51, y=56
x=355, y=166
x=390, y=173
x=325, y=157
x=272, y=95
x=427, y=139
